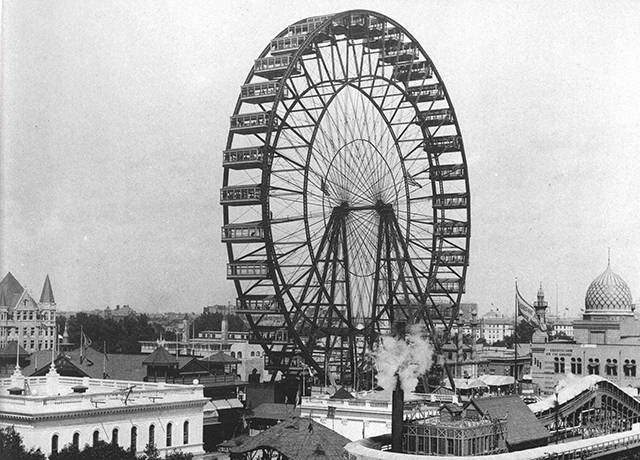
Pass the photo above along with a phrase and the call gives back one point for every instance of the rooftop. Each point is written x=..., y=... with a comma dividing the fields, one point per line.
x=55, y=394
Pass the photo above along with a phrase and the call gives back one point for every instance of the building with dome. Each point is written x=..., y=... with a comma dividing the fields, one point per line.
x=606, y=339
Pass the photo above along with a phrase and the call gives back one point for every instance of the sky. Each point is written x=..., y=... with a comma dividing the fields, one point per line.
x=114, y=115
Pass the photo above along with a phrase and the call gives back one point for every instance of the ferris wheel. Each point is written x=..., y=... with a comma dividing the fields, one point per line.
x=345, y=194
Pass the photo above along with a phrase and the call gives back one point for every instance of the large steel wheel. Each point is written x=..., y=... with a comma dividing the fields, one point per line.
x=345, y=195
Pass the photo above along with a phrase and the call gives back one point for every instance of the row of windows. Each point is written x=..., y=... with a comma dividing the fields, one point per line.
x=31, y=344
x=133, y=445
x=30, y=315
x=218, y=335
x=28, y=331
x=593, y=366
x=239, y=354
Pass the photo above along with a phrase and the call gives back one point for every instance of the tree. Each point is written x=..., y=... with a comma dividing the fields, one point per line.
x=525, y=332
x=12, y=448
x=179, y=455
x=120, y=336
x=150, y=453
x=213, y=322
x=100, y=451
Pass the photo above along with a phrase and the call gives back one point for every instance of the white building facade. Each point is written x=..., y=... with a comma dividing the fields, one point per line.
x=52, y=412
x=368, y=415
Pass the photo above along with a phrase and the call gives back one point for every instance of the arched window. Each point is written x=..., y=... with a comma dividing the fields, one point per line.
x=594, y=366
x=76, y=440
x=233, y=354
x=134, y=439
x=169, y=434
x=96, y=437
x=611, y=368
x=152, y=435
x=185, y=433
x=54, y=444
x=114, y=436
x=576, y=366
x=239, y=354
x=253, y=353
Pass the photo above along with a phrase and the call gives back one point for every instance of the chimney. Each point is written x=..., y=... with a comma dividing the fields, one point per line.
x=397, y=417
x=397, y=399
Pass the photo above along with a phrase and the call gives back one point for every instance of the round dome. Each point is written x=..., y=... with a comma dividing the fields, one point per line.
x=608, y=292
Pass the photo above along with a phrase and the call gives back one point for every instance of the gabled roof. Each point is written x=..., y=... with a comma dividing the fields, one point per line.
x=64, y=365
x=12, y=290
x=194, y=366
x=452, y=408
x=275, y=411
x=298, y=439
x=47, y=292
x=9, y=351
x=221, y=358
x=342, y=394
x=160, y=357
x=523, y=428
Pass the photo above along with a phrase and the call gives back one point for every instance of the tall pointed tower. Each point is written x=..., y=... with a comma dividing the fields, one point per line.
x=47, y=314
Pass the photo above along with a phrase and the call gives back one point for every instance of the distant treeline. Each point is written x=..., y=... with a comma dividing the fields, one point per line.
x=123, y=335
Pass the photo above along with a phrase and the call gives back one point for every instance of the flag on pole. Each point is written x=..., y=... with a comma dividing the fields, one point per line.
x=527, y=312
x=85, y=342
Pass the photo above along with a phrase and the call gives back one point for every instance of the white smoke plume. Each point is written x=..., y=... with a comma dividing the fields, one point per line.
x=408, y=358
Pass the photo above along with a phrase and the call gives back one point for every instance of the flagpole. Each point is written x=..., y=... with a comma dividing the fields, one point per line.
x=515, y=342
x=81, y=344
x=104, y=360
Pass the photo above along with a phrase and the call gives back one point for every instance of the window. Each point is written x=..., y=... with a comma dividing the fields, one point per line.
x=629, y=368
x=76, y=440
x=594, y=366
x=611, y=368
x=114, y=436
x=96, y=437
x=134, y=439
x=558, y=365
x=239, y=354
x=169, y=434
x=185, y=433
x=152, y=435
x=54, y=444
x=233, y=354
x=253, y=353
x=576, y=366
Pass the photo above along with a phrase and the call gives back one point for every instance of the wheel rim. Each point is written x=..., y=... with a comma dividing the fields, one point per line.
x=360, y=199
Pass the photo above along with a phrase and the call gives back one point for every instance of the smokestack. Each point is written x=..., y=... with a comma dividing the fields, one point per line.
x=397, y=417
x=397, y=399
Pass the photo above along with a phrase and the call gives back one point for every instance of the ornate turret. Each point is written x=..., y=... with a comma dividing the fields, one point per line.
x=541, y=306
x=66, y=344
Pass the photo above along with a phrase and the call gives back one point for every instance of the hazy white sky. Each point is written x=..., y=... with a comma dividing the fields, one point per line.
x=114, y=116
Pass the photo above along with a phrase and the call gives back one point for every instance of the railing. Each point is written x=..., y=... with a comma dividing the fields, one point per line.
x=550, y=452
x=594, y=449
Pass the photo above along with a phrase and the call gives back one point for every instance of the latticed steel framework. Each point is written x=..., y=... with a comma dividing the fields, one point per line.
x=463, y=438
x=345, y=195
